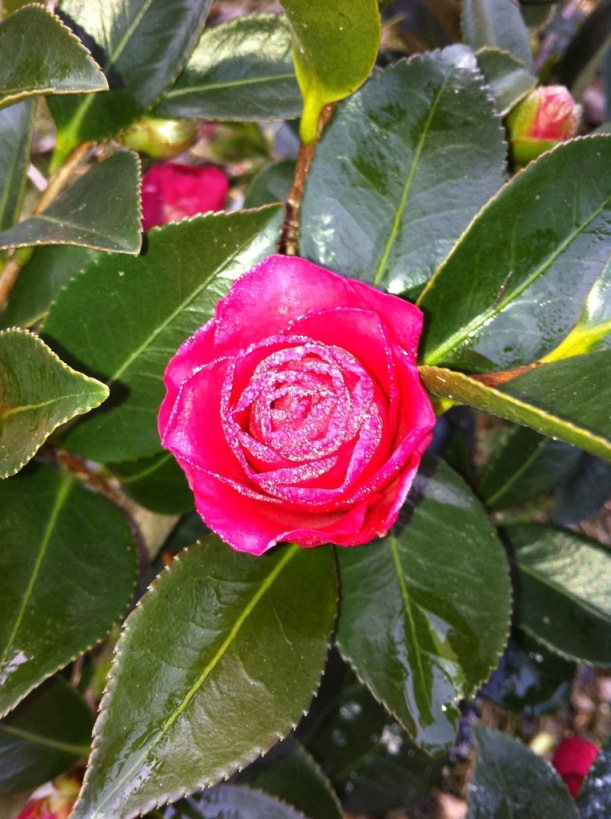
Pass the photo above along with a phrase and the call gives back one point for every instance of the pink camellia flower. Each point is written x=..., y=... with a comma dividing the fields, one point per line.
x=171, y=192
x=297, y=412
x=572, y=759
x=545, y=117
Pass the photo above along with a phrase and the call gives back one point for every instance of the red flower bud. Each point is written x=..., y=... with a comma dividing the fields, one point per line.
x=572, y=759
x=545, y=117
x=173, y=192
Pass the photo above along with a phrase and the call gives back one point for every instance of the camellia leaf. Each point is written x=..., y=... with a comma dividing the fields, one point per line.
x=273, y=184
x=233, y=647
x=594, y=798
x=40, y=55
x=137, y=312
x=425, y=612
x=566, y=399
x=156, y=483
x=507, y=77
x=564, y=591
x=524, y=466
x=40, y=281
x=290, y=773
x=335, y=46
x=45, y=735
x=540, y=243
x=593, y=329
x=496, y=24
x=67, y=572
x=15, y=137
x=395, y=180
x=240, y=70
x=228, y=801
x=101, y=211
x=510, y=780
x=142, y=46
x=38, y=392
x=585, y=493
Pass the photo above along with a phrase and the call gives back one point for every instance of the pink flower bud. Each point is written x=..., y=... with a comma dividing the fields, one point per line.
x=545, y=117
x=54, y=800
x=572, y=759
x=171, y=192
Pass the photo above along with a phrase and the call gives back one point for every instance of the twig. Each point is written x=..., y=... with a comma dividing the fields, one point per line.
x=289, y=239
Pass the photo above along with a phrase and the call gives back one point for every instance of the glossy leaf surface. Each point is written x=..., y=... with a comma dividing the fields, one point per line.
x=49, y=614
x=372, y=763
x=41, y=56
x=38, y=392
x=142, y=46
x=156, y=483
x=222, y=693
x=172, y=289
x=289, y=773
x=15, y=137
x=40, y=281
x=273, y=184
x=583, y=495
x=509, y=780
x=564, y=591
x=233, y=802
x=540, y=243
x=508, y=77
x=395, y=181
x=524, y=466
x=240, y=70
x=496, y=24
x=335, y=46
x=567, y=399
x=45, y=735
x=594, y=798
x=425, y=612
x=100, y=211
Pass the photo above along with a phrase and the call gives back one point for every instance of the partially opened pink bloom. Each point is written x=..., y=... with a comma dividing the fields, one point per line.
x=546, y=116
x=297, y=412
x=573, y=759
x=171, y=192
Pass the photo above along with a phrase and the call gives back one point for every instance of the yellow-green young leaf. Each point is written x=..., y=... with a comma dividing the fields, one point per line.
x=67, y=572
x=567, y=399
x=38, y=392
x=335, y=45
x=40, y=55
x=218, y=661
x=101, y=211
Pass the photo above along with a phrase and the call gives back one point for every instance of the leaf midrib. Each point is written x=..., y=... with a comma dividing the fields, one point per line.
x=196, y=89
x=47, y=742
x=289, y=554
x=33, y=407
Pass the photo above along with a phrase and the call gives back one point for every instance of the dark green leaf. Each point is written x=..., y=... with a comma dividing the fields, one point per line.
x=335, y=46
x=44, y=736
x=240, y=70
x=524, y=466
x=496, y=24
x=567, y=399
x=425, y=612
x=189, y=529
x=124, y=318
x=156, y=483
x=41, y=56
x=141, y=45
x=15, y=137
x=272, y=185
x=529, y=678
x=514, y=285
x=510, y=781
x=232, y=667
x=584, y=493
x=38, y=392
x=369, y=758
x=291, y=774
x=67, y=571
x=564, y=591
x=232, y=802
x=594, y=799
x=395, y=180
x=40, y=281
x=508, y=78
x=101, y=211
